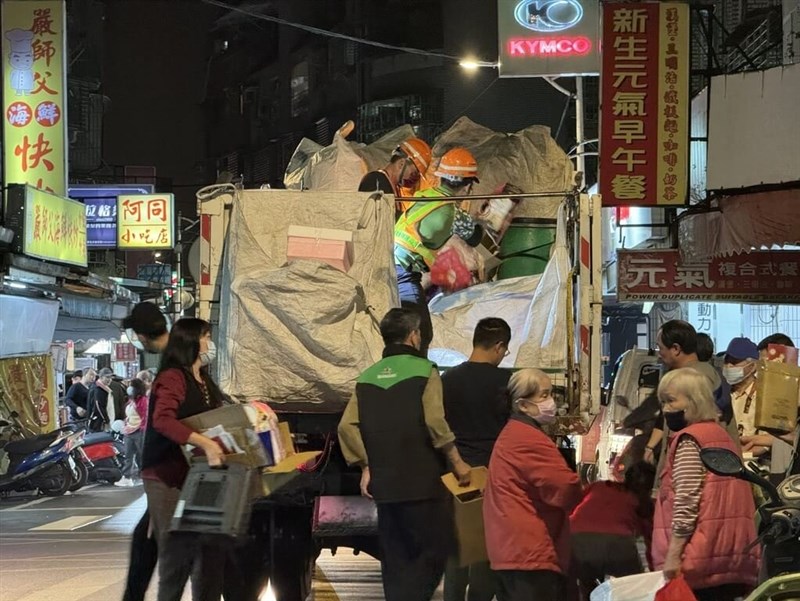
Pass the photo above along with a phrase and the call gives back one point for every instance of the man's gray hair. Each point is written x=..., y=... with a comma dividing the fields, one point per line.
x=524, y=384
x=696, y=387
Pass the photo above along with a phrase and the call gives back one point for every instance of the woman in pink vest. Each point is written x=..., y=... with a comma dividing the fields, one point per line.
x=703, y=523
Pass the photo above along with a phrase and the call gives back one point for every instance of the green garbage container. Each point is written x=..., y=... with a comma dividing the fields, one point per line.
x=525, y=249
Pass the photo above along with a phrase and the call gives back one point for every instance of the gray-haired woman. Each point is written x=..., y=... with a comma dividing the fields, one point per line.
x=703, y=523
x=528, y=498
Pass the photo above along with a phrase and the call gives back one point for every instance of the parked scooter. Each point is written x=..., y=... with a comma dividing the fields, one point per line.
x=779, y=528
x=43, y=462
x=103, y=453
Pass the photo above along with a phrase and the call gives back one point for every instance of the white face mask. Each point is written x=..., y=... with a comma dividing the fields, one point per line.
x=733, y=374
x=208, y=356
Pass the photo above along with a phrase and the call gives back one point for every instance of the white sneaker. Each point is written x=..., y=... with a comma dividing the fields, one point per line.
x=124, y=482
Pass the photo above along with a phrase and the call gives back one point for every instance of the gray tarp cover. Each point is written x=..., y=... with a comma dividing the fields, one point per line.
x=302, y=331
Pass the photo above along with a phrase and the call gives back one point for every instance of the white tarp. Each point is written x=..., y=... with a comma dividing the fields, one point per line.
x=535, y=308
x=341, y=165
x=303, y=331
x=530, y=159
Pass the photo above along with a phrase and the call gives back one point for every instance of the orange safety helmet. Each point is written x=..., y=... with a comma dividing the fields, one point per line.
x=458, y=163
x=418, y=151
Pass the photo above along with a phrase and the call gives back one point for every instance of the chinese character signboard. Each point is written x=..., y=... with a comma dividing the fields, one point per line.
x=548, y=37
x=659, y=275
x=145, y=221
x=29, y=388
x=644, y=112
x=46, y=226
x=34, y=94
x=101, y=222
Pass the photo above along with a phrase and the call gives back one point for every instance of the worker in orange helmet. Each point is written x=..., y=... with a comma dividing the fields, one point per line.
x=401, y=177
x=426, y=226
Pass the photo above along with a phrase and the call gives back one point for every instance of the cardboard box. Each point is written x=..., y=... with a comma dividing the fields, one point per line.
x=235, y=420
x=777, y=396
x=334, y=247
x=468, y=515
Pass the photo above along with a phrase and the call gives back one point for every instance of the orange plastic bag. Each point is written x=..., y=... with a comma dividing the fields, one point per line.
x=675, y=590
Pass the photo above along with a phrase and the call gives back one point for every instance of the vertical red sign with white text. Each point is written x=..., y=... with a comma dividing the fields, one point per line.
x=644, y=121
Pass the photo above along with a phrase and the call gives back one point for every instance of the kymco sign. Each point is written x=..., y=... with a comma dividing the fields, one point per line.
x=549, y=37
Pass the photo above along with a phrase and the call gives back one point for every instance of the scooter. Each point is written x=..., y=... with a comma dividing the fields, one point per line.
x=779, y=528
x=43, y=462
x=102, y=453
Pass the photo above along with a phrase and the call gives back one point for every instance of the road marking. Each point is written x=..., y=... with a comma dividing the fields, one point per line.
x=72, y=523
x=79, y=587
x=28, y=504
x=114, y=508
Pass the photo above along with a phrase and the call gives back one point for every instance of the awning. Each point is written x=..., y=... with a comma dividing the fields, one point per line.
x=760, y=220
x=81, y=330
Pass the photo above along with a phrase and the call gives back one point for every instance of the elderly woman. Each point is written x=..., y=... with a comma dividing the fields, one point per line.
x=703, y=522
x=529, y=497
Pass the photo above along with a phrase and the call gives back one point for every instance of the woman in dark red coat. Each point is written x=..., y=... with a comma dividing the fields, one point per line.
x=529, y=497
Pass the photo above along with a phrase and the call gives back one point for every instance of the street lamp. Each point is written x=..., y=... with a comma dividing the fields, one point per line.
x=469, y=64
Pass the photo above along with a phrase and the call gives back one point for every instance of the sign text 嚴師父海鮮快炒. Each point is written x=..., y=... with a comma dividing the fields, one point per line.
x=34, y=95
x=548, y=37
x=145, y=221
x=644, y=108
x=650, y=275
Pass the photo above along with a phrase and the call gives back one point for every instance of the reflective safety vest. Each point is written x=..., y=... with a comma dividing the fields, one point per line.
x=406, y=233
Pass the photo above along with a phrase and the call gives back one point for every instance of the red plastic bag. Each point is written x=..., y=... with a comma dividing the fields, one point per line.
x=675, y=590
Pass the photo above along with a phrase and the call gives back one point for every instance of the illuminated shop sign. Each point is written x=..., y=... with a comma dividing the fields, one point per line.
x=549, y=37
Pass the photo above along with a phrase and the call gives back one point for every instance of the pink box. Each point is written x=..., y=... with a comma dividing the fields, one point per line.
x=334, y=247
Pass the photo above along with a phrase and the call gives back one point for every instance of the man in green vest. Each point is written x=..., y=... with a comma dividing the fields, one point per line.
x=394, y=429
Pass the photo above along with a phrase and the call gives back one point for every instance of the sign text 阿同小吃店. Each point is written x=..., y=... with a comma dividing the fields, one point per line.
x=145, y=221
x=548, y=37
x=34, y=94
x=644, y=107
x=659, y=275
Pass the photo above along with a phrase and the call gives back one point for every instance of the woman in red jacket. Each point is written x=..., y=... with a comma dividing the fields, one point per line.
x=529, y=497
x=606, y=524
x=182, y=389
x=704, y=523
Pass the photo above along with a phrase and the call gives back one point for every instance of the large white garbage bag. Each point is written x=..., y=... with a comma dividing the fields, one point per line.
x=639, y=587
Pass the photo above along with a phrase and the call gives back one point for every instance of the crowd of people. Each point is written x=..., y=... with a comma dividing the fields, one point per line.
x=547, y=536
x=103, y=401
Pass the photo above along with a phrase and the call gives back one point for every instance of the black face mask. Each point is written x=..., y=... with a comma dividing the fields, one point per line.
x=676, y=420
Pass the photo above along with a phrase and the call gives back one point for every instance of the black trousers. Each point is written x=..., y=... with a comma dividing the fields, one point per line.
x=475, y=582
x=416, y=539
x=530, y=585
x=144, y=555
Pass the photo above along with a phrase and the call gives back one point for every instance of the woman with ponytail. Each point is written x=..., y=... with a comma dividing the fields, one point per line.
x=529, y=496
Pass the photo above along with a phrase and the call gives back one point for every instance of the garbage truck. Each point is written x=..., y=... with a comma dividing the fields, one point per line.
x=295, y=283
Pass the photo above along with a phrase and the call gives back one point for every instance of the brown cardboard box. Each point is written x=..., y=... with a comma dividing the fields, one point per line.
x=235, y=420
x=468, y=514
x=777, y=394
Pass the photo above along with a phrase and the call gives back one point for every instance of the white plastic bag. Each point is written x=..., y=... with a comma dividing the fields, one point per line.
x=639, y=587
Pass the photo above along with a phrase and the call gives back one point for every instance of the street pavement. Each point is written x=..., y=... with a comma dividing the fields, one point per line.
x=75, y=548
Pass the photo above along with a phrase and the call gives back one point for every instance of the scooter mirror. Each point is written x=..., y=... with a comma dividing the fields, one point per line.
x=721, y=462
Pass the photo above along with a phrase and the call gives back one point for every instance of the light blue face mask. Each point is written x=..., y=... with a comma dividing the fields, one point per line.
x=208, y=356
